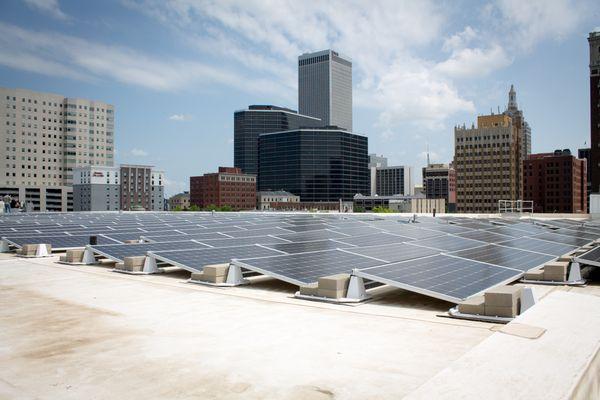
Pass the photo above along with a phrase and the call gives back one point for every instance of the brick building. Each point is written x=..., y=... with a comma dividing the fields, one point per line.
x=228, y=187
x=555, y=182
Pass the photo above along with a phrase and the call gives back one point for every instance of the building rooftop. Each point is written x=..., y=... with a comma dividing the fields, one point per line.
x=87, y=332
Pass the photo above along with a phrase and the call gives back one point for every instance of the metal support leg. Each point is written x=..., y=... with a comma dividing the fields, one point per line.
x=150, y=265
x=41, y=250
x=356, y=288
x=234, y=275
x=88, y=257
x=575, y=273
x=528, y=299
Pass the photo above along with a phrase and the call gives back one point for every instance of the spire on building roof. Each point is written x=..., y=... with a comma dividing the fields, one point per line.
x=512, y=99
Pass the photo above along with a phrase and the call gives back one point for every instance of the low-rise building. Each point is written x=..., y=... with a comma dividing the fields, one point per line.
x=555, y=182
x=180, y=201
x=96, y=188
x=269, y=199
x=141, y=188
x=400, y=204
x=439, y=182
x=228, y=187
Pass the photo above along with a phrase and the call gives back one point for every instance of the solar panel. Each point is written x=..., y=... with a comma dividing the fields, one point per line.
x=259, y=232
x=446, y=228
x=448, y=243
x=592, y=257
x=117, y=252
x=580, y=234
x=441, y=276
x=59, y=242
x=539, y=246
x=374, y=239
x=306, y=228
x=194, y=260
x=394, y=252
x=554, y=237
x=504, y=230
x=231, y=242
x=180, y=237
x=312, y=235
x=485, y=236
x=521, y=260
x=305, y=268
x=411, y=232
x=305, y=247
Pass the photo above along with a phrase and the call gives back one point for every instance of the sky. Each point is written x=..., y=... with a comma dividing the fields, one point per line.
x=177, y=70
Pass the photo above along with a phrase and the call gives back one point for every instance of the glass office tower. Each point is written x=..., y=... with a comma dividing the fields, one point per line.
x=319, y=164
x=257, y=119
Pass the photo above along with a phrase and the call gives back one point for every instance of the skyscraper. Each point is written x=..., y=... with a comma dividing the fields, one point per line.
x=47, y=136
x=594, y=41
x=512, y=110
x=487, y=161
x=257, y=119
x=317, y=164
x=325, y=87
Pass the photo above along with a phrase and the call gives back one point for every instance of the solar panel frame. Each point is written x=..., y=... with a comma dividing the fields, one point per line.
x=591, y=257
x=485, y=236
x=327, y=260
x=448, y=243
x=555, y=237
x=174, y=257
x=58, y=242
x=443, y=263
x=373, y=239
x=305, y=247
x=499, y=255
x=395, y=252
x=538, y=246
x=109, y=252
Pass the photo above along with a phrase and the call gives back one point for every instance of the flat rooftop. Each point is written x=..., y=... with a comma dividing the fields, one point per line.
x=76, y=332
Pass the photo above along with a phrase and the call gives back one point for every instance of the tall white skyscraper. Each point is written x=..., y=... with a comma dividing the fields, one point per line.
x=325, y=87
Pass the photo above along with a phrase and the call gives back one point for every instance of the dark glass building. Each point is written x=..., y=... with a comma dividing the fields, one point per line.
x=257, y=119
x=319, y=164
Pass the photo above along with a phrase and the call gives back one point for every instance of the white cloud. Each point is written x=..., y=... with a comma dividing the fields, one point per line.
x=54, y=54
x=528, y=22
x=139, y=152
x=460, y=40
x=180, y=117
x=474, y=62
x=49, y=7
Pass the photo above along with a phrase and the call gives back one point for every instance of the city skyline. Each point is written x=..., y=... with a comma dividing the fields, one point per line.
x=177, y=79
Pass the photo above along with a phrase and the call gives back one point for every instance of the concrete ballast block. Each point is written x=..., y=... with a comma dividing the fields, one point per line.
x=535, y=275
x=474, y=305
x=331, y=293
x=137, y=261
x=504, y=296
x=309, y=290
x=498, y=311
x=215, y=270
x=334, y=282
x=75, y=255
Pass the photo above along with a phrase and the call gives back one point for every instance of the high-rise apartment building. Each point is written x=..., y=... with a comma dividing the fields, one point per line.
x=45, y=136
x=375, y=162
x=96, y=188
x=325, y=88
x=317, y=164
x=555, y=182
x=487, y=162
x=594, y=42
x=141, y=188
x=439, y=182
x=257, y=119
x=228, y=187
x=393, y=180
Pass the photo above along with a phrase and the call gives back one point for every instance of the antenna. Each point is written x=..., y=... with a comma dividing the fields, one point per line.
x=428, y=154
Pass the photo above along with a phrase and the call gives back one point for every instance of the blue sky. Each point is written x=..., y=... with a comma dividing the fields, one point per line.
x=177, y=70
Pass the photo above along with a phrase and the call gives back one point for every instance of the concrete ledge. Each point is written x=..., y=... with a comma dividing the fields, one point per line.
x=559, y=364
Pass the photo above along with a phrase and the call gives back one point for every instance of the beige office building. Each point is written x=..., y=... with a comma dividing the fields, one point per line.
x=487, y=162
x=44, y=137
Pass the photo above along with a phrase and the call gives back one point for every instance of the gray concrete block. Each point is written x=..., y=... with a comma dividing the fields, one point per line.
x=216, y=270
x=137, y=261
x=331, y=293
x=498, y=311
x=334, y=282
x=535, y=275
x=309, y=290
x=503, y=296
x=474, y=305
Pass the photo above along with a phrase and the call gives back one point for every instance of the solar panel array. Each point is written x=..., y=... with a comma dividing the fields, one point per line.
x=449, y=258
